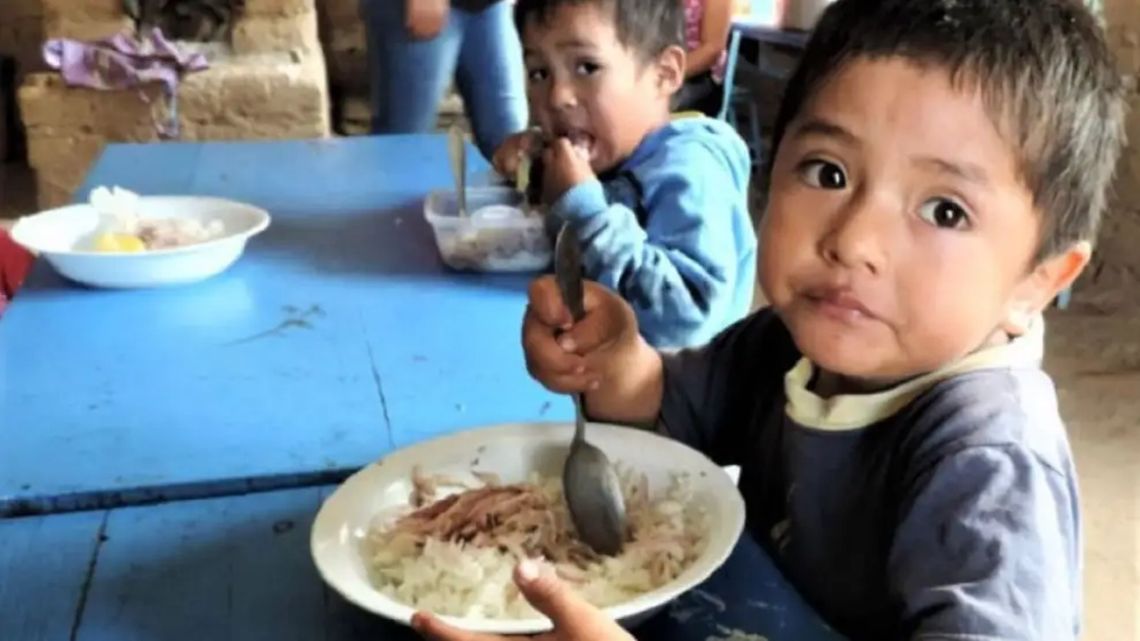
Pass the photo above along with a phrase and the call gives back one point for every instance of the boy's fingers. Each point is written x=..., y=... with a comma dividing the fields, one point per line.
x=579, y=384
x=545, y=302
x=527, y=142
x=508, y=159
x=550, y=596
x=592, y=332
x=597, y=297
x=544, y=353
x=431, y=628
x=505, y=163
x=557, y=152
x=563, y=383
x=549, y=363
x=607, y=318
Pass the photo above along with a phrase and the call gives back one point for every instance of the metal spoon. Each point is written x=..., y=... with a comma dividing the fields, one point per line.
x=457, y=149
x=589, y=482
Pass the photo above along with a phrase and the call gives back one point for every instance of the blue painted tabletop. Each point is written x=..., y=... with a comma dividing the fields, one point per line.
x=337, y=337
x=239, y=568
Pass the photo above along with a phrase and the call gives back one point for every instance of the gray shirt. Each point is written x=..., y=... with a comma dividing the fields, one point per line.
x=944, y=509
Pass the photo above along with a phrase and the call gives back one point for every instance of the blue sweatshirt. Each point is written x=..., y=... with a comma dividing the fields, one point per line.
x=669, y=230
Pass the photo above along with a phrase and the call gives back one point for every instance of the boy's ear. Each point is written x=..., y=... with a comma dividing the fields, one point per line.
x=671, y=70
x=1043, y=284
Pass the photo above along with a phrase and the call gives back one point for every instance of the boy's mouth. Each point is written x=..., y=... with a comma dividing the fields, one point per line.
x=583, y=142
x=840, y=303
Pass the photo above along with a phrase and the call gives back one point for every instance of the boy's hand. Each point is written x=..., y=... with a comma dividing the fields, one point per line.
x=566, y=167
x=573, y=618
x=510, y=153
x=602, y=355
x=425, y=18
x=573, y=357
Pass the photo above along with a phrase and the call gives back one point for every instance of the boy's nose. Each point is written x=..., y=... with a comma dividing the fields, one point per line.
x=562, y=95
x=859, y=234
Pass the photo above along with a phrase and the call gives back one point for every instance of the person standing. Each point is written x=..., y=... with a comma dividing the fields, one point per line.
x=416, y=48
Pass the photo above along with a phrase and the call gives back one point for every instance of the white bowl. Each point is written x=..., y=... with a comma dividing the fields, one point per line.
x=64, y=236
x=513, y=452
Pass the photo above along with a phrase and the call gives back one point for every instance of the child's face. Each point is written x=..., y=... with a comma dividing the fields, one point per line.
x=582, y=83
x=899, y=235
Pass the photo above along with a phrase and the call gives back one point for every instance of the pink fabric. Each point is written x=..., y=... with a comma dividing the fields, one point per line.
x=694, y=20
x=125, y=61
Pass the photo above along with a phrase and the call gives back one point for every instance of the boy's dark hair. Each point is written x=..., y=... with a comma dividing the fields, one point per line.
x=646, y=26
x=1044, y=72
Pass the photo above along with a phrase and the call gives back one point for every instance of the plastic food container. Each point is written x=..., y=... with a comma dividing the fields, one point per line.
x=498, y=235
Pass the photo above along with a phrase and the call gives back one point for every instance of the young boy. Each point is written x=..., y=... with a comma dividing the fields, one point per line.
x=940, y=171
x=660, y=205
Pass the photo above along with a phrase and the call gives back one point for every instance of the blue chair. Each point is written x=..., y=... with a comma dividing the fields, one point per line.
x=1064, y=298
x=729, y=72
x=738, y=99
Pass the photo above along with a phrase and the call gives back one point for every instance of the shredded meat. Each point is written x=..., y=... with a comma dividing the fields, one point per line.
x=452, y=551
x=518, y=519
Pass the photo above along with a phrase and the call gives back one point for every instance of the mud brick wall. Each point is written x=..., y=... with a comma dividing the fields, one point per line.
x=342, y=33
x=21, y=36
x=22, y=33
x=269, y=83
x=1117, y=263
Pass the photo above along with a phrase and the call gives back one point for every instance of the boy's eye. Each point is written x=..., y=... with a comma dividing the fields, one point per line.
x=536, y=74
x=823, y=175
x=586, y=68
x=944, y=213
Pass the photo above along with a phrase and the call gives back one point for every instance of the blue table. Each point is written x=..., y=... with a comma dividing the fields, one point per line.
x=338, y=337
x=238, y=568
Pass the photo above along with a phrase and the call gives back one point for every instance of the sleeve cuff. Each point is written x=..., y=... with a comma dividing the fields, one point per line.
x=581, y=202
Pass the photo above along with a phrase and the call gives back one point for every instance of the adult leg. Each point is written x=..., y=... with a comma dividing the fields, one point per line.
x=408, y=76
x=490, y=75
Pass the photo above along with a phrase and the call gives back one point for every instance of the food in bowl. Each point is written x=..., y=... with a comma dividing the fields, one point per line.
x=454, y=555
x=517, y=248
x=65, y=237
x=501, y=233
x=123, y=230
x=377, y=494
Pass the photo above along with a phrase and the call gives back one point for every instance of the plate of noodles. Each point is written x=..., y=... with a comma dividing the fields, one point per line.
x=440, y=525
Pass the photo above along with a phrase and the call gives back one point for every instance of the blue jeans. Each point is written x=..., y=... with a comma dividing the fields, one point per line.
x=480, y=50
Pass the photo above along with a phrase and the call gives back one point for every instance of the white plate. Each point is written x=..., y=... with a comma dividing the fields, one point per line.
x=513, y=452
x=64, y=236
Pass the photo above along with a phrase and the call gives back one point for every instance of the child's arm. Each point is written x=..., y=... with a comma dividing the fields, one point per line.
x=715, y=25
x=601, y=355
x=987, y=549
x=680, y=272
x=710, y=395
x=703, y=397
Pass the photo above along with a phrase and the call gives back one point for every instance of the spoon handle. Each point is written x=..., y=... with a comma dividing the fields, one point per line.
x=568, y=273
x=579, y=421
x=457, y=149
